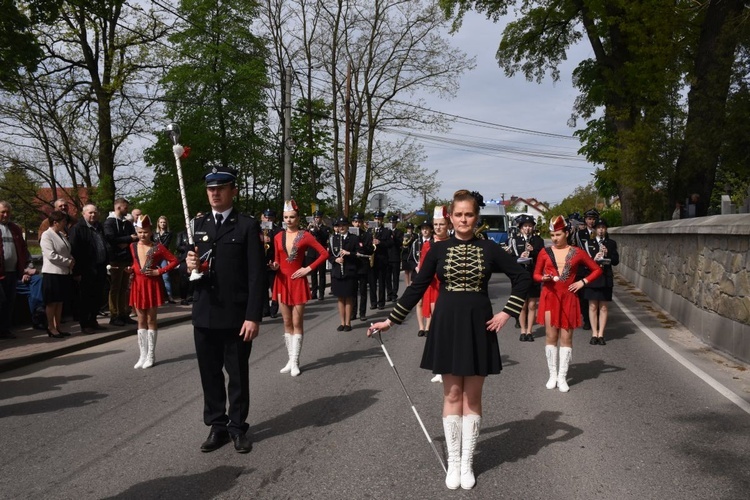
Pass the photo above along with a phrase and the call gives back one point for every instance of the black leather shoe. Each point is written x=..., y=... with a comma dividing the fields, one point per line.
x=363, y=318
x=421, y=333
x=373, y=307
x=340, y=328
x=55, y=335
x=380, y=308
x=127, y=320
x=184, y=302
x=347, y=328
x=116, y=322
x=242, y=443
x=602, y=341
x=529, y=337
x=216, y=439
x=522, y=337
x=594, y=340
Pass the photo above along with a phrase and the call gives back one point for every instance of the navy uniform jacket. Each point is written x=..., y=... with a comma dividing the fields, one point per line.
x=607, y=278
x=232, y=288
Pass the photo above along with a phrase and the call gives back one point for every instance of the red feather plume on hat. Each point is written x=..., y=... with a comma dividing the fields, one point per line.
x=558, y=224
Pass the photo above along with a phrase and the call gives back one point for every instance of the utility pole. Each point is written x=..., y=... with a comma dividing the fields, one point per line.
x=347, y=104
x=287, y=187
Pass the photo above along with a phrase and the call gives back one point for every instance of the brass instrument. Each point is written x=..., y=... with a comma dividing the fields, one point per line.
x=374, y=247
x=478, y=232
x=266, y=225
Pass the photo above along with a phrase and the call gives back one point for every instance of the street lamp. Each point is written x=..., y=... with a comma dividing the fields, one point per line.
x=173, y=131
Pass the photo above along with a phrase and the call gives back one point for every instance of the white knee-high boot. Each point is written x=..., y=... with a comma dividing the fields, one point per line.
x=470, y=434
x=566, y=355
x=143, y=346
x=551, y=352
x=288, y=342
x=151, y=338
x=296, y=349
x=452, y=428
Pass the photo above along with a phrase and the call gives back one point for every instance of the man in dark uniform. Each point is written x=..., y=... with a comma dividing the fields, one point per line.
x=382, y=240
x=585, y=235
x=363, y=266
x=227, y=309
x=270, y=230
x=394, y=259
x=320, y=232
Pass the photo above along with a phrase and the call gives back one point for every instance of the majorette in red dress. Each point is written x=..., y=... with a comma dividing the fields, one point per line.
x=294, y=291
x=148, y=291
x=565, y=310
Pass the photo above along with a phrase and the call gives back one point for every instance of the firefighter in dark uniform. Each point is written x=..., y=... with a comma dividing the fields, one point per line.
x=321, y=233
x=585, y=235
x=269, y=230
x=525, y=246
x=227, y=308
x=364, y=254
x=382, y=241
x=394, y=260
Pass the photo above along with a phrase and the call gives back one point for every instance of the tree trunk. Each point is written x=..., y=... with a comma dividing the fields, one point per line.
x=695, y=171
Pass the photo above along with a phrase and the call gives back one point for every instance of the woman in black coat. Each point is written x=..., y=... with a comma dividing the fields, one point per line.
x=342, y=248
x=603, y=250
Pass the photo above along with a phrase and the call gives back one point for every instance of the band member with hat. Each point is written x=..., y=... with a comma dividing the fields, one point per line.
x=559, y=310
x=227, y=308
x=342, y=250
x=603, y=250
x=146, y=291
x=321, y=233
x=394, y=259
x=525, y=246
x=382, y=241
x=408, y=239
x=418, y=246
x=270, y=230
x=290, y=288
x=364, y=255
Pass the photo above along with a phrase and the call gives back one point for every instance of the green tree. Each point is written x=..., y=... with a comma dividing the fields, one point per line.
x=645, y=52
x=215, y=92
x=19, y=189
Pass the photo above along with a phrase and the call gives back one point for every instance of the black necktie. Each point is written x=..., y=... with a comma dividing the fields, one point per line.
x=219, y=218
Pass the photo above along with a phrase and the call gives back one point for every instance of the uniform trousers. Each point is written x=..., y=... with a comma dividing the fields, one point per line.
x=219, y=349
x=394, y=272
x=90, y=296
x=319, y=281
x=361, y=297
x=378, y=279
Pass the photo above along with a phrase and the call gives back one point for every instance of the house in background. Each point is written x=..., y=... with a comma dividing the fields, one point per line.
x=531, y=206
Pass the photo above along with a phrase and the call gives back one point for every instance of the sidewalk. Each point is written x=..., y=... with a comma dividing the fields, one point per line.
x=33, y=346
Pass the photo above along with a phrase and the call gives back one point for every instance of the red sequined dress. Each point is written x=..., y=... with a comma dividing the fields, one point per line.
x=148, y=291
x=563, y=305
x=294, y=291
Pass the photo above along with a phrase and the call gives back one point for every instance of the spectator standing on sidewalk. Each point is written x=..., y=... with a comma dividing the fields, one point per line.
x=60, y=205
x=119, y=234
x=57, y=283
x=15, y=263
x=90, y=253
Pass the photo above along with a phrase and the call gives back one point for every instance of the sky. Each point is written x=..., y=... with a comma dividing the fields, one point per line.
x=487, y=95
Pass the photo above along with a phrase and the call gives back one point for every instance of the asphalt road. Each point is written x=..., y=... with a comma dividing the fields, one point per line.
x=635, y=424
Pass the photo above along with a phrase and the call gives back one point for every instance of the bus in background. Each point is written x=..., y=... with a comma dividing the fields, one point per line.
x=493, y=223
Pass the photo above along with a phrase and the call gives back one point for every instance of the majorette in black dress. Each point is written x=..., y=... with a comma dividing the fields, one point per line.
x=458, y=342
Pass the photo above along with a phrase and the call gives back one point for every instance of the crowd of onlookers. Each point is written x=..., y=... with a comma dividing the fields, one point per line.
x=86, y=268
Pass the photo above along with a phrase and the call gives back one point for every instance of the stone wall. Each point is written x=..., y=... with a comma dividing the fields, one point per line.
x=697, y=270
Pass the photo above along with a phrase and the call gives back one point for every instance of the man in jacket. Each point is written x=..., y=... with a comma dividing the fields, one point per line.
x=14, y=266
x=227, y=309
x=119, y=234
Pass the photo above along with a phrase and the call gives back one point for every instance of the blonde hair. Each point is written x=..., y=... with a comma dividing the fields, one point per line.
x=158, y=229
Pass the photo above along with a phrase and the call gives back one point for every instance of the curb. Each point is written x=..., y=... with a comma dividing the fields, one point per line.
x=23, y=361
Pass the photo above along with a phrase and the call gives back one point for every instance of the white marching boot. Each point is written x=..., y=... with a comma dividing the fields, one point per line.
x=551, y=352
x=437, y=378
x=452, y=428
x=470, y=434
x=288, y=342
x=143, y=346
x=566, y=354
x=151, y=341
x=296, y=349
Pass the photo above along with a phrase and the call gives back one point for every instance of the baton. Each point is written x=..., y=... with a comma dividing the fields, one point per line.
x=413, y=408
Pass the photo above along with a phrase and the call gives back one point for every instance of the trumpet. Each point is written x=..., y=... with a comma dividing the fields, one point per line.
x=478, y=232
x=374, y=247
x=266, y=226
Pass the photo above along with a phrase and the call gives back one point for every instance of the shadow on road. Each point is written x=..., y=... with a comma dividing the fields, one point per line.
x=209, y=484
x=316, y=413
x=591, y=370
x=55, y=404
x=513, y=441
x=35, y=385
x=67, y=360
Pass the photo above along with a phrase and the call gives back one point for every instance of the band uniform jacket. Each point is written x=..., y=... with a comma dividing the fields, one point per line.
x=231, y=290
x=364, y=252
x=350, y=243
x=518, y=246
x=394, y=251
x=607, y=278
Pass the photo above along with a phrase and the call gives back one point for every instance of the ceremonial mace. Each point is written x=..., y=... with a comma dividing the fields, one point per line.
x=173, y=130
x=413, y=408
